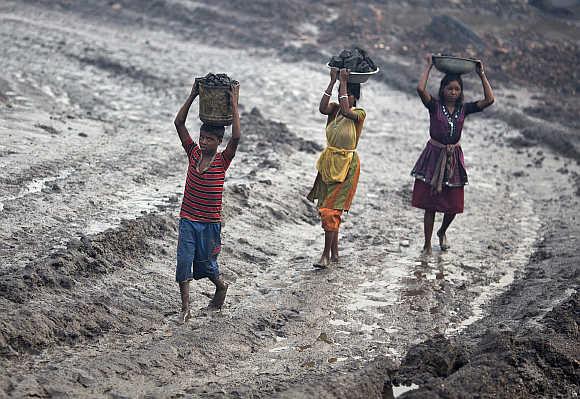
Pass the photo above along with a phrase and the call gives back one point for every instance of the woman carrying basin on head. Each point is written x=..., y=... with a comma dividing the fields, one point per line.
x=338, y=165
x=440, y=171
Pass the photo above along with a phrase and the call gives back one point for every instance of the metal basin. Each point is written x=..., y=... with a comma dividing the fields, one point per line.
x=455, y=65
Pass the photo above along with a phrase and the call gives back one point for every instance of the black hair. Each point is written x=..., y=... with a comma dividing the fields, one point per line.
x=217, y=131
x=354, y=90
x=445, y=81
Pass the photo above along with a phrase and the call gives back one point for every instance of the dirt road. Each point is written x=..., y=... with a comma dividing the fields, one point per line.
x=91, y=183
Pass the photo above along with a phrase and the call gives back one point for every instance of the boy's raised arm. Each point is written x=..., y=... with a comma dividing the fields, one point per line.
x=232, y=146
x=181, y=116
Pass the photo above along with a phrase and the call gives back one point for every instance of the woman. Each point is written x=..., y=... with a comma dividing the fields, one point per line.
x=338, y=165
x=440, y=171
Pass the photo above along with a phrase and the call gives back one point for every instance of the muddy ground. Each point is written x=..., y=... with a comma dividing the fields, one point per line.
x=92, y=176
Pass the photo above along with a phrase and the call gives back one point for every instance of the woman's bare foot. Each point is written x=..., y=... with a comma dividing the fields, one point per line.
x=427, y=251
x=323, y=263
x=442, y=241
x=334, y=259
x=184, y=316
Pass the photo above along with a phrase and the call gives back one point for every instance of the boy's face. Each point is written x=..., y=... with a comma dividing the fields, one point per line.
x=208, y=143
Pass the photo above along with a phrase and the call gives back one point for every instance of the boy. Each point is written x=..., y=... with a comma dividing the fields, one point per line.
x=199, y=240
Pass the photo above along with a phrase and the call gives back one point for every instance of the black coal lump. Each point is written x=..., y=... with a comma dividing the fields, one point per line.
x=356, y=59
x=218, y=80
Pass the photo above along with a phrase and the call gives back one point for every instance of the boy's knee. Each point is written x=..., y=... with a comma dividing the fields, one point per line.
x=183, y=270
x=207, y=269
x=182, y=276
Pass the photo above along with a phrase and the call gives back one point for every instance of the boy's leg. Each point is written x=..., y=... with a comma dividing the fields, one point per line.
x=219, y=297
x=208, y=249
x=447, y=219
x=428, y=222
x=184, y=291
x=184, y=272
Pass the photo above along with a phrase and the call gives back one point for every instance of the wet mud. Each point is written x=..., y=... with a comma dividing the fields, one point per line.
x=536, y=362
x=92, y=178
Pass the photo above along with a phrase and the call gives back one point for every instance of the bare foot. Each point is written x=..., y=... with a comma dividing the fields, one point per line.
x=426, y=251
x=334, y=259
x=219, y=297
x=442, y=241
x=323, y=263
x=184, y=316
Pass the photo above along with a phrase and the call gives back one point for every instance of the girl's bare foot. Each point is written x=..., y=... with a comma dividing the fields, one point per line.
x=442, y=241
x=184, y=316
x=323, y=263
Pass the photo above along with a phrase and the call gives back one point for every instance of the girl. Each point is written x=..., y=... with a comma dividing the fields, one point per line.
x=440, y=171
x=338, y=165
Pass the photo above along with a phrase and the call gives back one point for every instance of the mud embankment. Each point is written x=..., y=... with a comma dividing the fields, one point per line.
x=34, y=322
x=501, y=363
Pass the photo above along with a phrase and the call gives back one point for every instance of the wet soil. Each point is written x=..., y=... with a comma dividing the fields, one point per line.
x=91, y=182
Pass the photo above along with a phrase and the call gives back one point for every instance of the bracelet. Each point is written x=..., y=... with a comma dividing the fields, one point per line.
x=326, y=94
x=343, y=96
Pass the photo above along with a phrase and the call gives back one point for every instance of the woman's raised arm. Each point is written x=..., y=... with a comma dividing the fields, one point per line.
x=422, y=85
x=343, y=96
x=488, y=93
x=325, y=108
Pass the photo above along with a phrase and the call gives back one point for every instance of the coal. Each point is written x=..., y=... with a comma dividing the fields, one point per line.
x=356, y=60
x=218, y=80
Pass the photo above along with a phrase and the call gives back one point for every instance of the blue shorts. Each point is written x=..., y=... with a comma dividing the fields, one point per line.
x=198, y=246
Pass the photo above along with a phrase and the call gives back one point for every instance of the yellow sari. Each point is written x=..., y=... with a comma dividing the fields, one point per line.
x=339, y=165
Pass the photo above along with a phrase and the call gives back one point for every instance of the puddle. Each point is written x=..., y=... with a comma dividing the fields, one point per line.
x=529, y=226
x=369, y=328
x=338, y=322
x=394, y=392
x=132, y=205
x=35, y=186
x=95, y=227
x=364, y=303
x=279, y=349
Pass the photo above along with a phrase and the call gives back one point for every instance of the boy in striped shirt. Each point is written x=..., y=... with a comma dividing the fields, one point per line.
x=199, y=240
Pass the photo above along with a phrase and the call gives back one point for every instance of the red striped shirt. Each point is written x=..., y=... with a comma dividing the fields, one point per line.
x=202, y=197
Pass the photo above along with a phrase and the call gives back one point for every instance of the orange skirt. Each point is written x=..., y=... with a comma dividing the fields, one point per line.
x=330, y=218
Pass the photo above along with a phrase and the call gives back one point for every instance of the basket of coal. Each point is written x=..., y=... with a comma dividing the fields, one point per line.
x=361, y=66
x=215, y=105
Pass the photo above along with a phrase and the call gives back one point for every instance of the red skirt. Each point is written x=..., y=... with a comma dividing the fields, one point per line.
x=450, y=200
